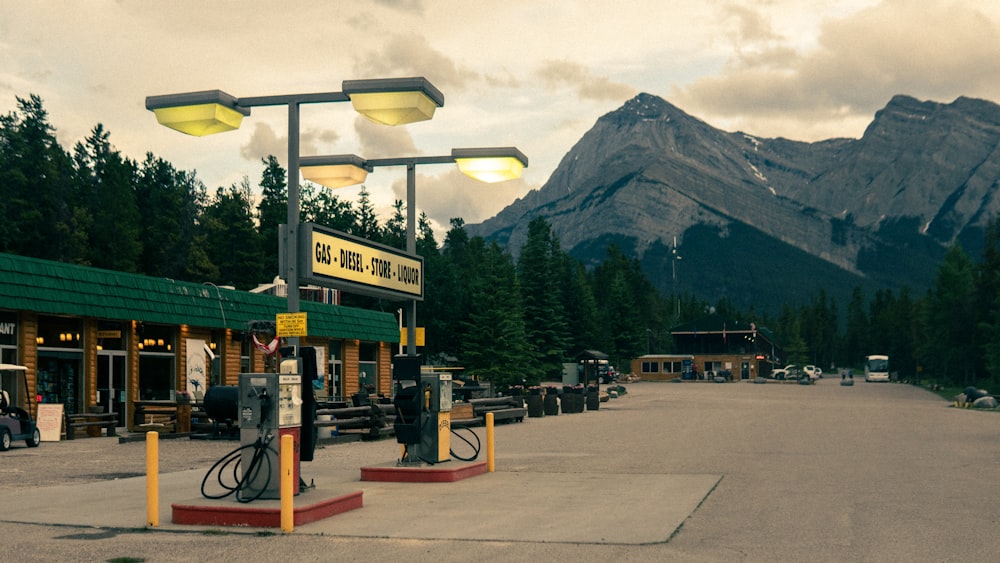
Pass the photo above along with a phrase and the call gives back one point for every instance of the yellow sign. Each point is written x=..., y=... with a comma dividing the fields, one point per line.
x=420, y=336
x=292, y=324
x=362, y=265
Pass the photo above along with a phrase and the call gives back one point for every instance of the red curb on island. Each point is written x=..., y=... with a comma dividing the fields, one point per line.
x=263, y=517
x=436, y=474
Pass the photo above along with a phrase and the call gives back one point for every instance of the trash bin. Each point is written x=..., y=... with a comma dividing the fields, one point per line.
x=550, y=403
x=536, y=408
x=572, y=399
x=593, y=398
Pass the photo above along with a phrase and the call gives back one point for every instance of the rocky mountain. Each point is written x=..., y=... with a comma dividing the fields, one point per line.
x=766, y=221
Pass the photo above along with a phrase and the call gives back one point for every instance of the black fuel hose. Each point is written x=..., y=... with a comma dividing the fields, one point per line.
x=237, y=483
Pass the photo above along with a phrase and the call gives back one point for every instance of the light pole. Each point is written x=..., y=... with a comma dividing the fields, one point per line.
x=674, y=257
x=483, y=164
x=390, y=101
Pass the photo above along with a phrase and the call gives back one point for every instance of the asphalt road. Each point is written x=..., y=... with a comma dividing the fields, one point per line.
x=874, y=472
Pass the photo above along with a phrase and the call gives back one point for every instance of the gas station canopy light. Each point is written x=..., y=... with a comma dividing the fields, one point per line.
x=394, y=101
x=334, y=172
x=490, y=165
x=484, y=164
x=198, y=113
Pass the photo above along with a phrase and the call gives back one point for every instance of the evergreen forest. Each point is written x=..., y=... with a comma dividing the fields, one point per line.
x=510, y=321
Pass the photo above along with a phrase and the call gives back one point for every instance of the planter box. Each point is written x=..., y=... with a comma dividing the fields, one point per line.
x=462, y=411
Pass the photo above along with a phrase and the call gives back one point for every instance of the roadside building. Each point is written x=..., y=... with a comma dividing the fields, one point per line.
x=100, y=341
x=711, y=346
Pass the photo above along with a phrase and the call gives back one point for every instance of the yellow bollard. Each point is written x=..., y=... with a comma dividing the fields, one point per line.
x=286, y=449
x=152, y=479
x=490, y=454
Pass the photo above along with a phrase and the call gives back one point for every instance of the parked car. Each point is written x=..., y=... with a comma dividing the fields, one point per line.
x=813, y=372
x=606, y=373
x=791, y=371
x=15, y=418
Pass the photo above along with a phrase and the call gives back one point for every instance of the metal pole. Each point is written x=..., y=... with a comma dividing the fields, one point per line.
x=292, y=242
x=411, y=249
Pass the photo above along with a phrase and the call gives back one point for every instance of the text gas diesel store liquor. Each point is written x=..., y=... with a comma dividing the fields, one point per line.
x=365, y=266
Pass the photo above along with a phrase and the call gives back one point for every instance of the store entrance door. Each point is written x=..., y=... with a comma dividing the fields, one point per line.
x=111, y=383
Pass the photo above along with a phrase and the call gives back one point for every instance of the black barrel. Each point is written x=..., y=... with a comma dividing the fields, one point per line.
x=222, y=403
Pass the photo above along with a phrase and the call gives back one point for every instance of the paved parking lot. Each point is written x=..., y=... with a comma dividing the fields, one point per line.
x=671, y=471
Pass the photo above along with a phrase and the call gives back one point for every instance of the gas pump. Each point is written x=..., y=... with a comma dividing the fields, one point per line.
x=423, y=412
x=435, y=436
x=270, y=406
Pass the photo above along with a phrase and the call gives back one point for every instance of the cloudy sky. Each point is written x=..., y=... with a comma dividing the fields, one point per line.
x=524, y=73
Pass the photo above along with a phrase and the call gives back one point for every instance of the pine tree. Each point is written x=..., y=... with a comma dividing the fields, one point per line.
x=539, y=268
x=951, y=354
x=105, y=184
x=170, y=206
x=272, y=211
x=35, y=179
x=494, y=339
x=366, y=226
x=231, y=244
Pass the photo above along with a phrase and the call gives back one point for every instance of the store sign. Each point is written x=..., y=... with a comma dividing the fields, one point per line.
x=331, y=258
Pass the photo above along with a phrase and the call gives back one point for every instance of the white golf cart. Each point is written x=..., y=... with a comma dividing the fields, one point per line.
x=15, y=404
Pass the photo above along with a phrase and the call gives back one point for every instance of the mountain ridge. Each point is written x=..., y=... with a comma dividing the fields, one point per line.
x=922, y=176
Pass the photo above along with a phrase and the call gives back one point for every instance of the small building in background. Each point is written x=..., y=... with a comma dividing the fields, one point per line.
x=713, y=346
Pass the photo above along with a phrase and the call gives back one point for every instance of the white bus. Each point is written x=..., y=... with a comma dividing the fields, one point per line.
x=876, y=368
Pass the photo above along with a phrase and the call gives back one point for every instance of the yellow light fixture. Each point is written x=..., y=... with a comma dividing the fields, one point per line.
x=198, y=113
x=334, y=172
x=394, y=101
x=491, y=165
x=40, y=340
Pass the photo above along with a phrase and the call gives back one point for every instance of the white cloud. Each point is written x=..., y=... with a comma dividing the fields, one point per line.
x=928, y=49
x=535, y=75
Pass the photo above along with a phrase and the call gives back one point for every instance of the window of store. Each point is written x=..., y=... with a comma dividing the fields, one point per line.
x=650, y=367
x=215, y=368
x=368, y=366
x=157, y=373
x=60, y=362
x=8, y=337
x=245, y=350
x=335, y=373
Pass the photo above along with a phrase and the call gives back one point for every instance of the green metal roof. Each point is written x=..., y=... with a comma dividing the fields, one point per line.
x=55, y=288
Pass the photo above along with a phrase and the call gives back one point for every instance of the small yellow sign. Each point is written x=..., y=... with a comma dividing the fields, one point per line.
x=420, y=336
x=292, y=324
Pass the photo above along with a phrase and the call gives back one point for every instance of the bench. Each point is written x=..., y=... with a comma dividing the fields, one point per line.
x=161, y=416
x=370, y=421
x=504, y=409
x=97, y=421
